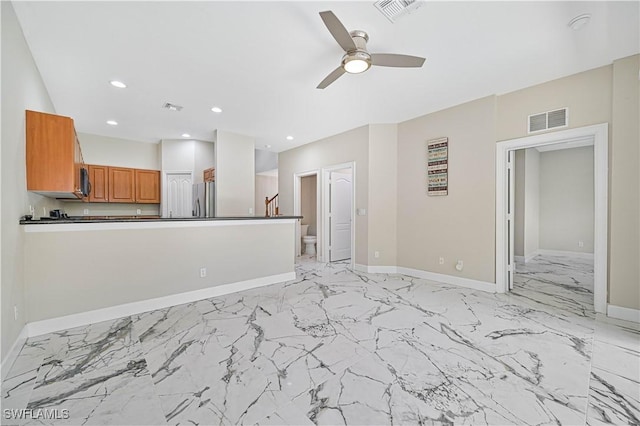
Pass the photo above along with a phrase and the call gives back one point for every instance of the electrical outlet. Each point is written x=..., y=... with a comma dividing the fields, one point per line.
x=376, y=254
x=580, y=243
x=138, y=211
x=250, y=210
x=459, y=265
x=85, y=211
x=15, y=312
x=441, y=261
x=203, y=272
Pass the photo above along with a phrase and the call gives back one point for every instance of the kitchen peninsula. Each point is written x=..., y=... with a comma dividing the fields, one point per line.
x=122, y=266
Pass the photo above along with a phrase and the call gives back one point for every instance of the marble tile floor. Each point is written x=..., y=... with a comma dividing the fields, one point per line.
x=341, y=347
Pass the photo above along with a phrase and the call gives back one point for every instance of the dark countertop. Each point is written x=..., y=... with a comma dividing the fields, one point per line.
x=115, y=219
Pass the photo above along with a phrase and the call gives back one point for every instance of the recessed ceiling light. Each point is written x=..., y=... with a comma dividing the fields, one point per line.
x=289, y=138
x=118, y=84
x=112, y=123
x=216, y=110
x=267, y=146
x=579, y=21
x=186, y=135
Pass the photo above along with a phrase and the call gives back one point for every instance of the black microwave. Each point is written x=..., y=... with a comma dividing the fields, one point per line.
x=85, y=185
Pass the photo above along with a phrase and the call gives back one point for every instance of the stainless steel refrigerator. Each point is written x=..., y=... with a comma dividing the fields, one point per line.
x=204, y=199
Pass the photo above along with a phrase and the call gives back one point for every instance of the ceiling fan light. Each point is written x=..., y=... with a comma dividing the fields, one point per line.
x=356, y=62
x=356, y=66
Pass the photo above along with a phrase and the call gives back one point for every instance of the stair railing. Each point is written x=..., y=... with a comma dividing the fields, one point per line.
x=271, y=206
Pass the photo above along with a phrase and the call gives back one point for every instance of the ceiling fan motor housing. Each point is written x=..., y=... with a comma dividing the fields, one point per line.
x=359, y=54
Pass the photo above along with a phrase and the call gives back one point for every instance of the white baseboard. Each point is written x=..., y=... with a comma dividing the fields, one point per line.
x=563, y=253
x=449, y=279
x=627, y=314
x=376, y=269
x=8, y=360
x=84, y=318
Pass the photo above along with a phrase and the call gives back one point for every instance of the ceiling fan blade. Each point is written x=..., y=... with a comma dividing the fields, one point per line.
x=335, y=74
x=393, y=60
x=338, y=31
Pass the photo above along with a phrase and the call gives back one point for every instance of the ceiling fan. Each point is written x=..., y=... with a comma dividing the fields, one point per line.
x=357, y=59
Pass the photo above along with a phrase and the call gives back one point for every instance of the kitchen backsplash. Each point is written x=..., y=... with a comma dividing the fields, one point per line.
x=110, y=209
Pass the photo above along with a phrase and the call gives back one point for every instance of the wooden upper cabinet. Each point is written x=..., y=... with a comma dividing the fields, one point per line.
x=53, y=155
x=122, y=185
x=147, y=186
x=99, y=178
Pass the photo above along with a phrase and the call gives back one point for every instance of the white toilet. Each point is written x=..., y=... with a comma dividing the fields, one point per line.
x=309, y=241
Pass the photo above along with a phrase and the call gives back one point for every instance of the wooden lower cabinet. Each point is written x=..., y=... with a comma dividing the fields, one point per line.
x=122, y=187
x=99, y=178
x=147, y=186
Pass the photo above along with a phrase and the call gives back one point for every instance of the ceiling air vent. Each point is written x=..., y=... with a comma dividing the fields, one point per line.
x=394, y=9
x=548, y=120
x=172, y=107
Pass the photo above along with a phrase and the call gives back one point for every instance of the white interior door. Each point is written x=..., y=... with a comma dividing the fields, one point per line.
x=511, y=204
x=179, y=195
x=340, y=193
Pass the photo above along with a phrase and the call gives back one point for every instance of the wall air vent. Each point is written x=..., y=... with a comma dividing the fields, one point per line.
x=172, y=107
x=548, y=120
x=394, y=9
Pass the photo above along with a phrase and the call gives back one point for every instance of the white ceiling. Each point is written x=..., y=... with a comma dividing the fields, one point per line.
x=261, y=61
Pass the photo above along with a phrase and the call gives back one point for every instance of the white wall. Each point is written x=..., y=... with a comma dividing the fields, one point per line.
x=203, y=158
x=532, y=202
x=177, y=155
x=518, y=223
x=235, y=174
x=106, y=151
x=566, y=199
x=308, y=203
x=266, y=186
x=265, y=160
x=22, y=88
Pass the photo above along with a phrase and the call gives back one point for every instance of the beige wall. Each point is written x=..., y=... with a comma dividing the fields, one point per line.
x=624, y=243
x=266, y=186
x=587, y=95
x=607, y=94
x=106, y=151
x=96, y=269
x=308, y=203
x=342, y=148
x=235, y=174
x=383, y=199
x=566, y=199
x=461, y=225
x=22, y=88
x=531, y=202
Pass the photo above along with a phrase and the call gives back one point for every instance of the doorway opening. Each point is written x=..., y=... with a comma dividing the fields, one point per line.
x=553, y=225
x=306, y=190
x=596, y=136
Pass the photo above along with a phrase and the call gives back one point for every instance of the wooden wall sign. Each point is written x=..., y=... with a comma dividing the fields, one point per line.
x=438, y=166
